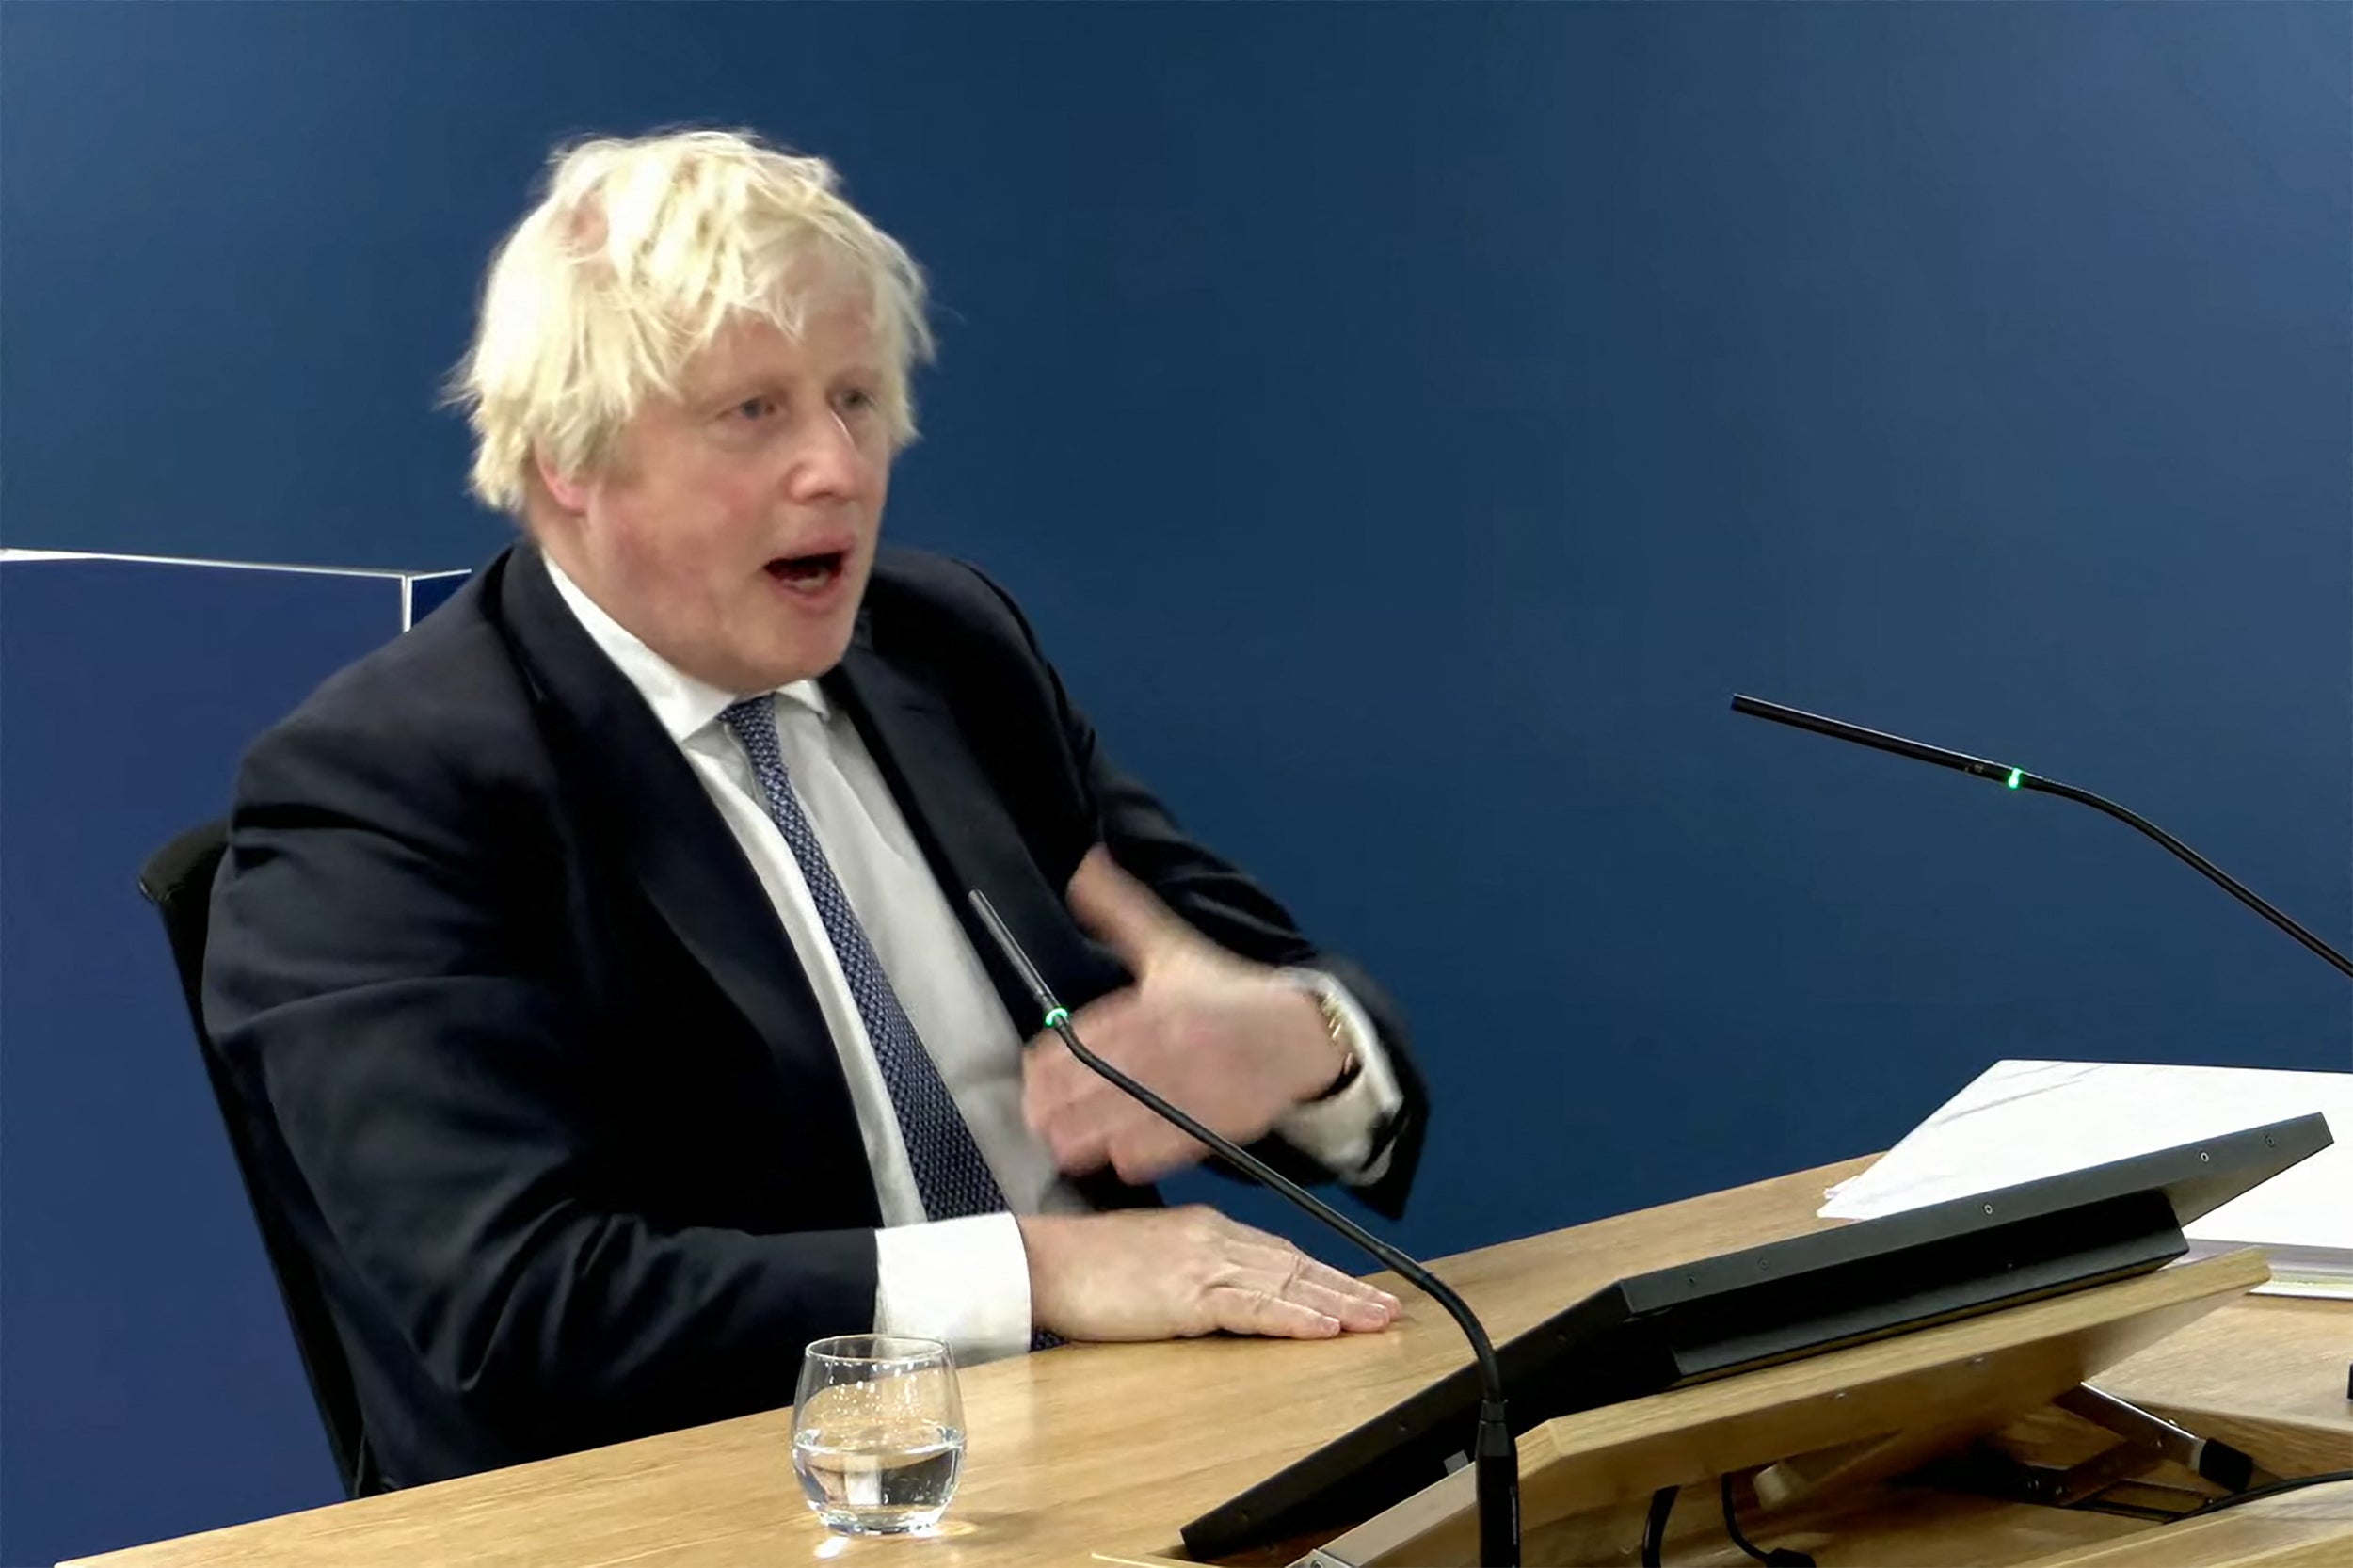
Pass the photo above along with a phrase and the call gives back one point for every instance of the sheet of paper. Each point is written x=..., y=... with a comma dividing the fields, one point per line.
x=2020, y=1121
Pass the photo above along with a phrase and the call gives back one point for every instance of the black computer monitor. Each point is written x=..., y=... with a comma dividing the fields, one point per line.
x=1741, y=1310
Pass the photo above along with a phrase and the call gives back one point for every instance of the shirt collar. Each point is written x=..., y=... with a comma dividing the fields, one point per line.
x=681, y=702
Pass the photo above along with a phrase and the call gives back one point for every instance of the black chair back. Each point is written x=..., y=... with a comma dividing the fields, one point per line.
x=178, y=880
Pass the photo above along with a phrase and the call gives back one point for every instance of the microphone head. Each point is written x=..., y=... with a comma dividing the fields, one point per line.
x=1035, y=982
x=1878, y=740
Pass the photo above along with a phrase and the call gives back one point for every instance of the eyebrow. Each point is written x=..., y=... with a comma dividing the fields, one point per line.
x=735, y=389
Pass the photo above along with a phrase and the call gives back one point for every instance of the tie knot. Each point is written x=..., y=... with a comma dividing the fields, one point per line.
x=753, y=723
x=753, y=717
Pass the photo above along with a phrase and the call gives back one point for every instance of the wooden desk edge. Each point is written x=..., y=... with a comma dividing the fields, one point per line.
x=370, y=1531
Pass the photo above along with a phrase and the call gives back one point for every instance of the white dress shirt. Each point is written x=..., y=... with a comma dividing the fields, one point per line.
x=964, y=1281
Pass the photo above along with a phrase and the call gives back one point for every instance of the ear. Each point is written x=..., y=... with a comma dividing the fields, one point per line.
x=568, y=491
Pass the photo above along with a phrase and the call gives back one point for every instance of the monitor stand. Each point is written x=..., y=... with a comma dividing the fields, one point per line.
x=1831, y=1424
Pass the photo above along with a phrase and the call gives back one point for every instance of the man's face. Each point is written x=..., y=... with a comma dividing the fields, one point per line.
x=735, y=528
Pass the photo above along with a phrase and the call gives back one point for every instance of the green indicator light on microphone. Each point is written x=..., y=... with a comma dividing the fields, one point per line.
x=2015, y=774
x=1059, y=1017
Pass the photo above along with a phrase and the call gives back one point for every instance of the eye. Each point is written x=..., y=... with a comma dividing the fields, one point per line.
x=859, y=400
x=752, y=410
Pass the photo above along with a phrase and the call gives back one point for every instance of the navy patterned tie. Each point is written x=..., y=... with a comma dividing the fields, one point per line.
x=951, y=1176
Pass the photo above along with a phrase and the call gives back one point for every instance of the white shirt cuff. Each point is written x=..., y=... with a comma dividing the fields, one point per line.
x=966, y=1282
x=1338, y=1133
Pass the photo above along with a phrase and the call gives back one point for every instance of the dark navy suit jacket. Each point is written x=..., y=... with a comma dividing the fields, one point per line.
x=537, y=1075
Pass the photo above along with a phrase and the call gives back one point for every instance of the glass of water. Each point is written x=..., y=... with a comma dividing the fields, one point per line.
x=878, y=1432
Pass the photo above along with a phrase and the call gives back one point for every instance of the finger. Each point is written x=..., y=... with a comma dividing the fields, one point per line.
x=1123, y=914
x=1357, y=1314
x=1146, y=1148
x=1113, y=1129
x=1054, y=1075
x=1115, y=1027
x=1054, y=1081
x=1061, y=1086
x=1073, y=1130
x=1089, y=1123
x=1349, y=1287
x=1050, y=1080
x=1359, y=1307
x=1078, y=1145
x=1087, y=1097
x=1245, y=1309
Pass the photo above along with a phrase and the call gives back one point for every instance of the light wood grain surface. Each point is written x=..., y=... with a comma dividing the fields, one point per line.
x=1109, y=1449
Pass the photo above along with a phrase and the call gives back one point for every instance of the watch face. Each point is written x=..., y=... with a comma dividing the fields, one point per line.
x=1337, y=1021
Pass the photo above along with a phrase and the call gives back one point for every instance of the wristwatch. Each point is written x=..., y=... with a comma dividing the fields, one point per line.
x=1344, y=1036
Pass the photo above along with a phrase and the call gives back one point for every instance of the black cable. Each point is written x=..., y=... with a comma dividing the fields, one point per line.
x=1662, y=1503
x=2294, y=1483
x=1776, y=1556
x=1732, y=1526
x=2100, y=1502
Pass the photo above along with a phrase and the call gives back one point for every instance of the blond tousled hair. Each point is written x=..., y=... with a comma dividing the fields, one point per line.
x=640, y=252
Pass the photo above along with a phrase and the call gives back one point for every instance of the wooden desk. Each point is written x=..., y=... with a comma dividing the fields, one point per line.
x=1109, y=1449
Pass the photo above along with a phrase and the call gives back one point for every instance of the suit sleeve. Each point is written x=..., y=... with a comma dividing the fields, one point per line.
x=1232, y=910
x=386, y=977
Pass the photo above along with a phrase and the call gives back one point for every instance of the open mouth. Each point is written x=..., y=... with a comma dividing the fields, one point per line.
x=809, y=574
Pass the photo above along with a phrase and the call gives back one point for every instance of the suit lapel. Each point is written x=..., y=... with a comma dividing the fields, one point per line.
x=970, y=842
x=687, y=860
x=969, y=839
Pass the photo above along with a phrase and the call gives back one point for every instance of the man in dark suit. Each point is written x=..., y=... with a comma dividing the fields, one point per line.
x=595, y=958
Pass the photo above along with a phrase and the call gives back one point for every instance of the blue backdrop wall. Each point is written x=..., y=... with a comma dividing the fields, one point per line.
x=1407, y=426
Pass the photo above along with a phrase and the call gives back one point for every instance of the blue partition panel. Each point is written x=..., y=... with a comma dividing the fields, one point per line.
x=143, y=1337
x=428, y=593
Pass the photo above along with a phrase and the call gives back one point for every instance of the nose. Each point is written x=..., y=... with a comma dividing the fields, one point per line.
x=829, y=464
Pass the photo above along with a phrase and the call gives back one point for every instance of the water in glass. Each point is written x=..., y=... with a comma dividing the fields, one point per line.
x=878, y=1432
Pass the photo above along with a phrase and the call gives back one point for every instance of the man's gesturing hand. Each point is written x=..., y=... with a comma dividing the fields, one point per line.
x=1229, y=1042
x=1171, y=1273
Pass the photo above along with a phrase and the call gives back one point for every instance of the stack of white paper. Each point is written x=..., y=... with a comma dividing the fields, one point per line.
x=2020, y=1121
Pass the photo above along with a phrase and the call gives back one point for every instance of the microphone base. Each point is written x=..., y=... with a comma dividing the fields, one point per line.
x=1497, y=1458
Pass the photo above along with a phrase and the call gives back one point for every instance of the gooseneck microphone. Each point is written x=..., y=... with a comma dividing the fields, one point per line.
x=1494, y=1453
x=2019, y=779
